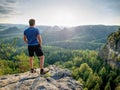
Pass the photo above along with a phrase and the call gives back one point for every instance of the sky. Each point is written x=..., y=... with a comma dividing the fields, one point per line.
x=61, y=12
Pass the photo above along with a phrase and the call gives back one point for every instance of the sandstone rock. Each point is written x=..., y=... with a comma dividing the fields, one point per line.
x=111, y=51
x=61, y=74
x=56, y=79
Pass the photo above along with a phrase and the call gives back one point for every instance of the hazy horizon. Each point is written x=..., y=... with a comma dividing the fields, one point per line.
x=61, y=12
x=61, y=25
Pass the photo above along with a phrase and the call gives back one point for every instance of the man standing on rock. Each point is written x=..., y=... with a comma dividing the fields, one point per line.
x=33, y=39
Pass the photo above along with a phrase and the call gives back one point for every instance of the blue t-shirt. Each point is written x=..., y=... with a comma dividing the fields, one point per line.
x=31, y=34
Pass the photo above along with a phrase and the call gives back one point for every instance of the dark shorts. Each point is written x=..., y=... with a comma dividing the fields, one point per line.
x=37, y=49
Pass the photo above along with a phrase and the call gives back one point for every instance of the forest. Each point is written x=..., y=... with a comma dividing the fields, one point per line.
x=75, y=54
x=85, y=65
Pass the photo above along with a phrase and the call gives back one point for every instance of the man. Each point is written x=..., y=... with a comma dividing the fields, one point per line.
x=33, y=39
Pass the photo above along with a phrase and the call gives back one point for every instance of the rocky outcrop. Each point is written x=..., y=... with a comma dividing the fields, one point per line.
x=56, y=79
x=111, y=51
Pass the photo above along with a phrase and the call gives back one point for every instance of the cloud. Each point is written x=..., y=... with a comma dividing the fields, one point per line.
x=11, y=1
x=114, y=6
x=7, y=8
x=110, y=6
x=52, y=11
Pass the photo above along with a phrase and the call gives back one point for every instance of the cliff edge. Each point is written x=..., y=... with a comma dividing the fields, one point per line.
x=111, y=51
x=56, y=79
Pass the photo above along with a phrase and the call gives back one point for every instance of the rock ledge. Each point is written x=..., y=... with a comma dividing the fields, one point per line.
x=56, y=79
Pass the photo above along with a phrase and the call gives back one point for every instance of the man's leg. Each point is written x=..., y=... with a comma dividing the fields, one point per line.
x=31, y=62
x=42, y=70
x=42, y=58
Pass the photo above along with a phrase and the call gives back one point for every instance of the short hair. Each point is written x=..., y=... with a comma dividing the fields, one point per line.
x=31, y=22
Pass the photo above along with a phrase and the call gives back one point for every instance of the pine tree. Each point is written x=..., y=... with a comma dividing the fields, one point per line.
x=107, y=87
x=97, y=87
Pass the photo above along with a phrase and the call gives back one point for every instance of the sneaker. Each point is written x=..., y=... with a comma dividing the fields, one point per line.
x=42, y=71
x=32, y=70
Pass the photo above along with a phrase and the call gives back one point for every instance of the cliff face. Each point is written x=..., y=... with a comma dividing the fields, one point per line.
x=111, y=50
x=56, y=79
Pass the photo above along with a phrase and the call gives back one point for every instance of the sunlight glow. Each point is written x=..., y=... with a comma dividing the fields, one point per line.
x=63, y=12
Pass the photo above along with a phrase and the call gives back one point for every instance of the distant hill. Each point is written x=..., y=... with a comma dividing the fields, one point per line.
x=10, y=30
x=79, y=37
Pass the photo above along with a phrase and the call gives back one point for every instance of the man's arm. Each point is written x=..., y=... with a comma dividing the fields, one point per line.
x=25, y=39
x=39, y=39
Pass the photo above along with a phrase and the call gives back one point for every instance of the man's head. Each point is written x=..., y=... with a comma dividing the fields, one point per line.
x=32, y=22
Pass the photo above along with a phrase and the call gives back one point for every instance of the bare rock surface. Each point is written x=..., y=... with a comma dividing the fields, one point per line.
x=55, y=79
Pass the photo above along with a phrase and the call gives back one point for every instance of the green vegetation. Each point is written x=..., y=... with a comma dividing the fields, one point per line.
x=85, y=65
x=74, y=48
x=91, y=37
